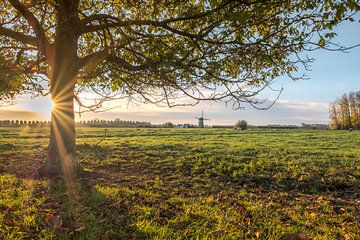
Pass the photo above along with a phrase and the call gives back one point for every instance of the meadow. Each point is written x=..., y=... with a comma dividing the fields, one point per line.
x=184, y=184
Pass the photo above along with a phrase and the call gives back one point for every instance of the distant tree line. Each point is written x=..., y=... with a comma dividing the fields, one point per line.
x=168, y=125
x=345, y=112
x=113, y=123
x=315, y=126
x=278, y=126
x=19, y=123
x=90, y=123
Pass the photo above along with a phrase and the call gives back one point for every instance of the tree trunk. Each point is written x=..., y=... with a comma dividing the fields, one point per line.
x=63, y=71
x=61, y=158
x=61, y=152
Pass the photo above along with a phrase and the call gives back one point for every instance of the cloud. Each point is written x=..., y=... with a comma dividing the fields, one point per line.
x=315, y=106
x=6, y=114
x=283, y=112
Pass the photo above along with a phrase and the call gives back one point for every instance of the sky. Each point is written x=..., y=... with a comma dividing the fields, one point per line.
x=304, y=101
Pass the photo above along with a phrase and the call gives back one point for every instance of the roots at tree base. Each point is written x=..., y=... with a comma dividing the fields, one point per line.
x=57, y=168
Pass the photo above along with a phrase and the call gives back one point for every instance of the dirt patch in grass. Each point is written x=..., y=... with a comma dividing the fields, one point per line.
x=21, y=165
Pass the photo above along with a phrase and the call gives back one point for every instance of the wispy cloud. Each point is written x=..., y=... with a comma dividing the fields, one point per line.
x=20, y=115
x=285, y=111
x=305, y=105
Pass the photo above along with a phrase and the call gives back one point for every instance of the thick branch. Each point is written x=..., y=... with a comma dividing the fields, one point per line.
x=33, y=22
x=20, y=37
x=115, y=22
x=124, y=64
x=91, y=59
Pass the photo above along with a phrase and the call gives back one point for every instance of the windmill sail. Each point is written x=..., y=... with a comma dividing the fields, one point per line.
x=201, y=120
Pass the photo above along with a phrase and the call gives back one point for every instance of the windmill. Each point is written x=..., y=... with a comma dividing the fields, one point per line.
x=201, y=120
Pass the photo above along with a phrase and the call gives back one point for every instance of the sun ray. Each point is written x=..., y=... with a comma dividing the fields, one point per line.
x=66, y=159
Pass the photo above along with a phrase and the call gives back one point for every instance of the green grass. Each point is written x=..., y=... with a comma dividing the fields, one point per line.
x=185, y=184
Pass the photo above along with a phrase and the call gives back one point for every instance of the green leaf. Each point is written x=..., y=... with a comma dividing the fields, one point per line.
x=321, y=43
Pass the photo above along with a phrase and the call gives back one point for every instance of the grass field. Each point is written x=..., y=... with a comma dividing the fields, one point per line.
x=185, y=184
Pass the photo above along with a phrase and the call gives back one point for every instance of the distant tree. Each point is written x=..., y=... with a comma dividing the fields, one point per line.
x=354, y=111
x=335, y=122
x=168, y=125
x=154, y=51
x=241, y=125
x=357, y=97
x=345, y=111
x=305, y=125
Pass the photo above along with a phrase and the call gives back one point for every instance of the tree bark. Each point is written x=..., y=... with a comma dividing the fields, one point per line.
x=63, y=71
x=62, y=148
x=61, y=158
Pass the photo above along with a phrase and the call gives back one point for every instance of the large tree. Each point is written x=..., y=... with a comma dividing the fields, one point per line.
x=154, y=51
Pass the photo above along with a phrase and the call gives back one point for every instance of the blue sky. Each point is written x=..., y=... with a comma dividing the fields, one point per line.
x=332, y=74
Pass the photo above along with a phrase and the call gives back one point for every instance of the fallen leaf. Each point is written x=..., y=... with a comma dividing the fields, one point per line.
x=218, y=233
x=53, y=221
x=347, y=237
x=79, y=229
x=57, y=222
x=303, y=236
x=109, y=235
x=49, y=219
x=258, y=234
x=299, y=236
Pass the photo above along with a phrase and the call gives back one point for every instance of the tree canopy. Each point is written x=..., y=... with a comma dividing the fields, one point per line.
x=155, y=51
x=160, y=50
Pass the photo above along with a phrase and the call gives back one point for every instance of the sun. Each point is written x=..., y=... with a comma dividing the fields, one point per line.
x=52, y=105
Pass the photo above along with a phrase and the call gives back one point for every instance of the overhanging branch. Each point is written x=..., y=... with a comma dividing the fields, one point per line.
x=33, y=22
x=20, y=37
x=112, y=21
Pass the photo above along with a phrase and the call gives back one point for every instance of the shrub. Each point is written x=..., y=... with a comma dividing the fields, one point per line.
x=241, y=125
x=168, y=125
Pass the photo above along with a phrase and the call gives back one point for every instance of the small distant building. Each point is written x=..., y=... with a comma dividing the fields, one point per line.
x=185, y=125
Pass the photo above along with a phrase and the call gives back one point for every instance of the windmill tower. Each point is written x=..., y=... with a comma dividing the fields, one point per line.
x=201, y=120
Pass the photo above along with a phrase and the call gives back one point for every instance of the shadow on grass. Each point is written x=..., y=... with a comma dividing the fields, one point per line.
x=174, y=203
x=98, y=151
x=7, y=146
x=141, y=167
x=87, y=213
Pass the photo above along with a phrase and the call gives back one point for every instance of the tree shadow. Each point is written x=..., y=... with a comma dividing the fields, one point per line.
x=98, y=151
x=142, y=166
x=86, y=212
x=117, y=201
